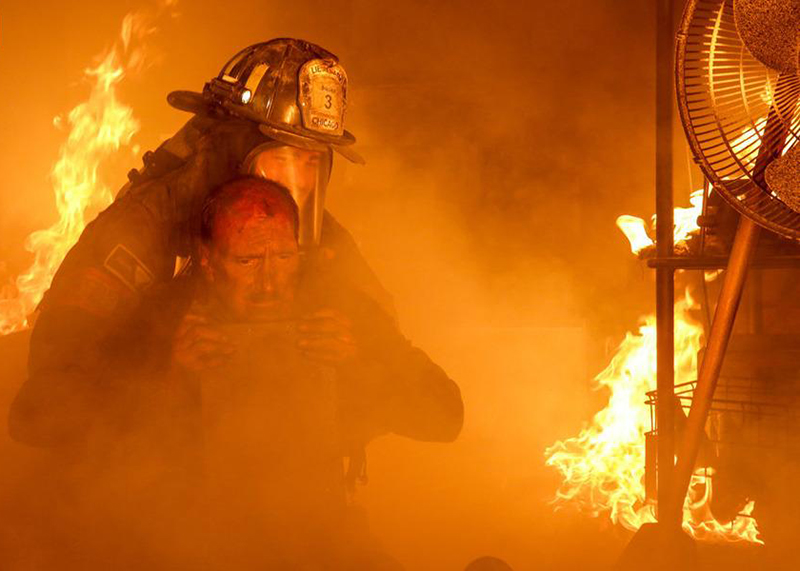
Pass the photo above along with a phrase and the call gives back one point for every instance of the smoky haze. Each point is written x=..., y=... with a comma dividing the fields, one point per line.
x=502, y=140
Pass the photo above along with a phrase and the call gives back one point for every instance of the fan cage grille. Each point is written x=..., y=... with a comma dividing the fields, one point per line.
x=725, y=97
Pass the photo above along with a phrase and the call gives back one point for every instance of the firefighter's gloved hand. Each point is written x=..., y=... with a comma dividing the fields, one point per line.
x=199, y=345
x=327, y=336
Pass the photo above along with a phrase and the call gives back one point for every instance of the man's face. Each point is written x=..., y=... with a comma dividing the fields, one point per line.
x=296, y=169
x=253, y=263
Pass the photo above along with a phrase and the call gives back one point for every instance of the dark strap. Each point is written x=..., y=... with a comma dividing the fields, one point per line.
x=156, y=164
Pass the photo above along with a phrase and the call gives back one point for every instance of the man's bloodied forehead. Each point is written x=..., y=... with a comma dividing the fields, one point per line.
x=250, y=207
x=249, y=225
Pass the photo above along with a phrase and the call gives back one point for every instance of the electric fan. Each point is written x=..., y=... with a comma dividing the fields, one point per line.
x=738, y=86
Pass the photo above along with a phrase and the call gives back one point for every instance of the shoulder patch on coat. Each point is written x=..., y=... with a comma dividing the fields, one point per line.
x=90, y=289
x=124, y=264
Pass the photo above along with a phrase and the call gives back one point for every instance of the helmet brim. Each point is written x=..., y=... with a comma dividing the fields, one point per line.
x=193, y=102
x=342, y=145
x=189, y=101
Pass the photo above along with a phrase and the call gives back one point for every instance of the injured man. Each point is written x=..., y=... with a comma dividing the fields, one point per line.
x=227, y=427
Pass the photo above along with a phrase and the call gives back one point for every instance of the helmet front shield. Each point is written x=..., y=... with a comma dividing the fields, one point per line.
x=305, y=173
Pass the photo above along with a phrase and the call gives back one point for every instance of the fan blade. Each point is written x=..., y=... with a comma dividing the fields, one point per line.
x=776, y=131
x=783, y=178
x=769, y=30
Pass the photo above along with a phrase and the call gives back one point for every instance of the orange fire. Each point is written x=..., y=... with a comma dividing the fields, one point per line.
x=685, y=222
x=98, y=128
x=603, y=467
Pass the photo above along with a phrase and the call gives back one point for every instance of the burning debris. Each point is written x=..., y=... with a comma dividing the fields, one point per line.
x=640, y=235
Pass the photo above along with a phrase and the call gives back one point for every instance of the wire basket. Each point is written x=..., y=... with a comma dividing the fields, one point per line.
x=752, y=443
x=745, y=412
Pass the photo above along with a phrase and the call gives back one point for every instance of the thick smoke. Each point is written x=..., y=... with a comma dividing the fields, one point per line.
x=502, y=141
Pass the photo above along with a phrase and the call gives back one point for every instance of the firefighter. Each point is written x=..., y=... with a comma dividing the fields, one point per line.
x=276, y=110
x=262, y=375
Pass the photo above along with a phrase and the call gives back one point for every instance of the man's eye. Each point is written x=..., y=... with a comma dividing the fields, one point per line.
x=246, y=261
x=286, y=256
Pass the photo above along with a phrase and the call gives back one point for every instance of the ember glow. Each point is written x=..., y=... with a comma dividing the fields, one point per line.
x=98, y=128
x=603, y=467
x=639, y=234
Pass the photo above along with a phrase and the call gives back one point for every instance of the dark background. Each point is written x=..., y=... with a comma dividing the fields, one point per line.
x=502, y=140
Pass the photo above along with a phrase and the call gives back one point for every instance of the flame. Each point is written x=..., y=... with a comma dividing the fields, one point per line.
x=746, y=146
x=635, y=231
x=98, y=128
x=684, y=219
x=603, y=467
x=701, y=523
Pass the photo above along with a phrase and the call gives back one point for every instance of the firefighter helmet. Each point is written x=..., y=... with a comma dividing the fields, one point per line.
x=295, y=90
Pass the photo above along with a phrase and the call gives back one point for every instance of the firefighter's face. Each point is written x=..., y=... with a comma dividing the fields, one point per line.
x=253, y=264
x=296, y=169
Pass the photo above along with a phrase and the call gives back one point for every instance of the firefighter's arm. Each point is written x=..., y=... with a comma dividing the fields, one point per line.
x=128, y=249
x=93, y=297
x=393, y=386
x=64, y=393
x=422, y=402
